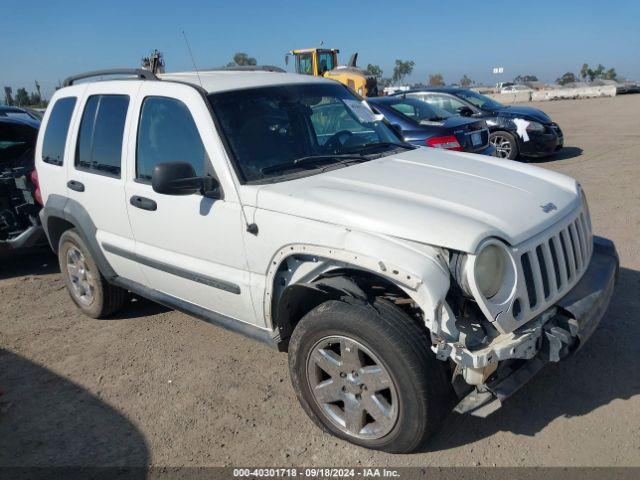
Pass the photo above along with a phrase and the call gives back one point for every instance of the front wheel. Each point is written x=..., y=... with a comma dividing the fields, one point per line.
x=365, y=373
x=505, y=144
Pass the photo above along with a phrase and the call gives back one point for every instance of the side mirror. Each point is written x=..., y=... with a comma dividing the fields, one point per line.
x=465, y=111
x=179, y=178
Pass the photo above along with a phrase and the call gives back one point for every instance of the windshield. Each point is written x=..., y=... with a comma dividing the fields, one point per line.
x=417, y=110
x=281, y=129
x=480, y=101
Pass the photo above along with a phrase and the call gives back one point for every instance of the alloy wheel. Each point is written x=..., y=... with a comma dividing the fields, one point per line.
x=503, y=146
x=83, y=284
x=352, y=387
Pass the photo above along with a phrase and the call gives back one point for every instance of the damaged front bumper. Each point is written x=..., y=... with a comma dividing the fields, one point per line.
x=558, y=332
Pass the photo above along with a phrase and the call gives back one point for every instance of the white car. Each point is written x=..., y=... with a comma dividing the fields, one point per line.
x=516, y=89
x=402, y=280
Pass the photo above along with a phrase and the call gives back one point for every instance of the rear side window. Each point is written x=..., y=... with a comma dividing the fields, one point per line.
x=166, y=133
x=99, y=146
x=55, y=137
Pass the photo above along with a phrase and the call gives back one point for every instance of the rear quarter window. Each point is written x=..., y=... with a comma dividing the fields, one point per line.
x=55, y=135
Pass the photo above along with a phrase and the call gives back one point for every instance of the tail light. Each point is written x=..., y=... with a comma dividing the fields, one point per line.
x=36, y=186
x=448, y=143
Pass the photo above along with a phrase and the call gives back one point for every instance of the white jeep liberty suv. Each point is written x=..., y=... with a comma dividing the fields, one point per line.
x=403, y=281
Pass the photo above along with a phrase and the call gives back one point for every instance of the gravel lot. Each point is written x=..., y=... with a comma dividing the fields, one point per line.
x=154, y=386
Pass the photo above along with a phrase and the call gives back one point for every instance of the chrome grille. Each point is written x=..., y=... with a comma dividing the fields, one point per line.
x=552, y=266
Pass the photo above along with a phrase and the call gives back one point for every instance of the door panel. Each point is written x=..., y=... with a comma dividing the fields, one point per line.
x=190, y=246
x=95, y=172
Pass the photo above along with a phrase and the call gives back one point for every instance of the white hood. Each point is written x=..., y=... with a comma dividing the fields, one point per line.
x=447, y=199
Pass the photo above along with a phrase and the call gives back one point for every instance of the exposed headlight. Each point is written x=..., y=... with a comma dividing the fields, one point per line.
x=490, y=266
x=535, y=127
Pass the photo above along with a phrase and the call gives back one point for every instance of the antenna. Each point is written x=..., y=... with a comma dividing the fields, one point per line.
x=192, y=59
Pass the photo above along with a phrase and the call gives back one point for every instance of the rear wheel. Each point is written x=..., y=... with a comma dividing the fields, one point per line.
x=87, y=287
x=505, y=144
x=365, y=373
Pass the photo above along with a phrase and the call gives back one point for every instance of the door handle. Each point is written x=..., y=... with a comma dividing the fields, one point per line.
x=75, y=185
x=143, y=203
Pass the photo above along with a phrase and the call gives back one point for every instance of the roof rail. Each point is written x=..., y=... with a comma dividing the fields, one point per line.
x=138, y=72
x=247, y=68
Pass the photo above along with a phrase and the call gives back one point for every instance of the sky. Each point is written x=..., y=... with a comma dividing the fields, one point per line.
x=50, y=40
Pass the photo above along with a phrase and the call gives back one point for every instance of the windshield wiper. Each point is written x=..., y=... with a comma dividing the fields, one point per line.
x=372, y=145
x=310, y=160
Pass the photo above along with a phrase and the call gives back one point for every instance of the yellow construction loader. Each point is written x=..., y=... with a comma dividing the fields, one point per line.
x=323, y=62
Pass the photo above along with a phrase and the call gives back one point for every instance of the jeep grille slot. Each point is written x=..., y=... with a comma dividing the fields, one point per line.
x=552, y=266
x=528, y=275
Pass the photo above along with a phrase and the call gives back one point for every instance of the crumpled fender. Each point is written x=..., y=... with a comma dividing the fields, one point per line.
x=419, y=270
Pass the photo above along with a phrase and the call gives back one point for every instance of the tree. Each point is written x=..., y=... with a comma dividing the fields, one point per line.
x=584, y=71
x=525, y=78
x=568, y=77
x=610, y=74
x=374, y=70
x=22, y=97
x=599, y=72
x=34, y=98
x=242, y=59
x=8, y=96
x=465, y=81
x=402, y=69
x=436, y=80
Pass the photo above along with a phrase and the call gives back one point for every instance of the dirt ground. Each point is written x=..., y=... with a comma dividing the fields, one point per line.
x=157, y=387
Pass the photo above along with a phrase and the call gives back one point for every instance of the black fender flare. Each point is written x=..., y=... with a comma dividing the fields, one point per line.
x=59, y=207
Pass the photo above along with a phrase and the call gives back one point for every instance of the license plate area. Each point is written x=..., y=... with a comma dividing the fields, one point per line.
x=476, y=139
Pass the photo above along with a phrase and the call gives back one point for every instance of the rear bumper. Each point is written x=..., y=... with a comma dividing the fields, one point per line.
x=32, y=237
x=488, y=150
x=576, y=317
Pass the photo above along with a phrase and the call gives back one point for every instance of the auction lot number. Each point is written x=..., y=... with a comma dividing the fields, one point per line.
x=316, y=472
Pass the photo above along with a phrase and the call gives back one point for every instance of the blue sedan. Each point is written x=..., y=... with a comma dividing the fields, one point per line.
x=423, y=124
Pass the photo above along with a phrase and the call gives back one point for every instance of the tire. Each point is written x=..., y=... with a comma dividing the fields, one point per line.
x=419, y=396
x=506, y=145
x=89, y=290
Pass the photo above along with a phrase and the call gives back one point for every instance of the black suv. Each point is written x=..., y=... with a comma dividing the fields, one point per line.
x=19, y=194
x=515, y=130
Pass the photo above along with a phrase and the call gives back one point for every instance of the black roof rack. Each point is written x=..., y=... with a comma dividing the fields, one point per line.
x=247, y=68
x=138, y=72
